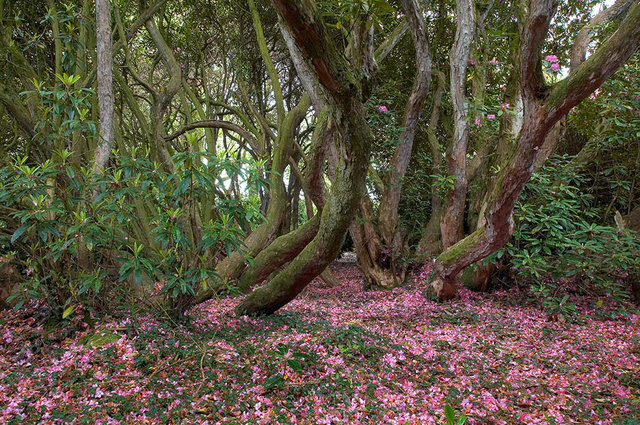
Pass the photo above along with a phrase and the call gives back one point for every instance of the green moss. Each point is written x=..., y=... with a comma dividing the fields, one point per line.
x=468, y=276
x=459, y=250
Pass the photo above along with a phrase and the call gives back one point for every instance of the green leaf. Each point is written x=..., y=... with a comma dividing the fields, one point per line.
x=19, y=232
x=295, y=365
x=450, y=415
x=68, y=311
x=273, y=382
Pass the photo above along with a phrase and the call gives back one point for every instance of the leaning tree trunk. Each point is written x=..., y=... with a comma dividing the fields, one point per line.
x=279, y=252
x=543, y=108
x=343, y=87
x=337, y=214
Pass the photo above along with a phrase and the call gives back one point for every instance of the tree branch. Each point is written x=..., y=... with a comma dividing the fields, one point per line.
x=579, y=50
x=219, y=124
x=391, y=41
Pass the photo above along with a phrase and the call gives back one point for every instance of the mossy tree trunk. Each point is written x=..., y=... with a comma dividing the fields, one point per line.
x=543, y=108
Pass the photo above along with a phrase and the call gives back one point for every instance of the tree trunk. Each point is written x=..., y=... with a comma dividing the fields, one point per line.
x=430, y=244
x=381, y=249
x=105, y=85
x=452, y=224
x=337, y=214
x=231, y=267
x=329, y=278
x=282, y=250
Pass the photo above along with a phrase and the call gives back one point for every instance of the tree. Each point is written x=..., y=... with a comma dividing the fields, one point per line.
x=380, y=248
x=543, y=107
x=344, y=87
x=228, y=157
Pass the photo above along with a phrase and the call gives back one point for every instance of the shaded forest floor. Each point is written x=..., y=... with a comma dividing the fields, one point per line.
x=335, y=355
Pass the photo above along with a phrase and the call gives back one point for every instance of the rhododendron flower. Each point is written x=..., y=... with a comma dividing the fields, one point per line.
x=555, y=67
x=551, y=58
x=382, y=108
x=491, y=116
x=494, y=62
x=477, y=122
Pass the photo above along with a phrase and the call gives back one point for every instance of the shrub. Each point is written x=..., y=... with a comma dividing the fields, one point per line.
x=83, y=237
x=555, y=238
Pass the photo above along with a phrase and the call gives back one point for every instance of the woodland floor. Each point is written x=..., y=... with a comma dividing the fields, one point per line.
x=335, y=355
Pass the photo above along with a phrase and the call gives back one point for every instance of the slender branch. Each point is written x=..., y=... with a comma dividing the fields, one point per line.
x=271, y=69
x=391, y=41
x=143, y=18
x=218, y=124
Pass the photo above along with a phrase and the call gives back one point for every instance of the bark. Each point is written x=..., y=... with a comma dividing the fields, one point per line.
x=329, y=278
x=583, y=38
x=18, y=113
x=282, y=250
x=542, y=110
x=391, y=42
x=336, y=76
x=451, y=226
x=368, y=247
x=308, y=78
x=632, y=220
x=388, y=210
x=430, y=244
x=231, y=267
x=105, y=84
